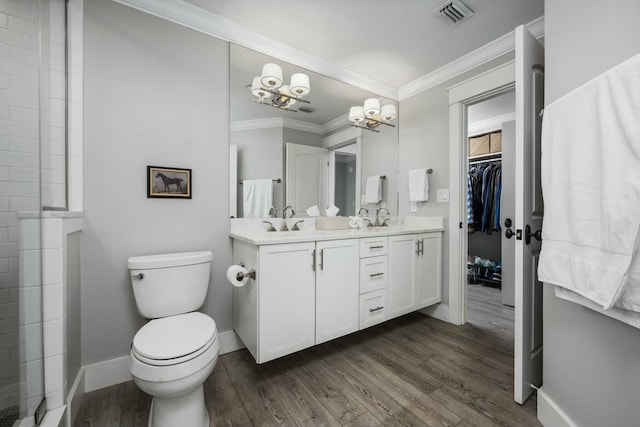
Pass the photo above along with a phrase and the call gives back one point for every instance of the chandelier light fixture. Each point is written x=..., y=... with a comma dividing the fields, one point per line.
x=268, y=88
x=371, y=115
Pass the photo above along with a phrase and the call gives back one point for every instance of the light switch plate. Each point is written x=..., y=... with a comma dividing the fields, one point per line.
x=442, y=195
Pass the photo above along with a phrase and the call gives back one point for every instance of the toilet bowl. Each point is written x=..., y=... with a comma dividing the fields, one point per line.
x=176, y=351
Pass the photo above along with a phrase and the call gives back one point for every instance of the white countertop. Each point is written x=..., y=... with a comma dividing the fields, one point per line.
x=251, y=235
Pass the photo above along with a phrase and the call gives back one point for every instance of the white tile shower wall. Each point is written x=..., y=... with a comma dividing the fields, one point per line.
x=19, y=164
x=46, y=348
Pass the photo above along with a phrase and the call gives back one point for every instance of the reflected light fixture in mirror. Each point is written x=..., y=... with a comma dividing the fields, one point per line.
x=371, y=115
x=268, y=88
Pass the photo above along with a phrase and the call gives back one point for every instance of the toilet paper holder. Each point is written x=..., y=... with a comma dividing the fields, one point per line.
x=251, y=274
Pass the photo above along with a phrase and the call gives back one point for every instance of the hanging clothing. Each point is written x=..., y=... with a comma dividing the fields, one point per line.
x=484, y=186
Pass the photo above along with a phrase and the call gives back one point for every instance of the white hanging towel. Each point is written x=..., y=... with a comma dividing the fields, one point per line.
x=373, y=189
x=257, y=197
x=418, y=185
x=591, y=186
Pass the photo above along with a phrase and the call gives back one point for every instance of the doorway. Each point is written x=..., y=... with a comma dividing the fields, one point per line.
x=490, y=295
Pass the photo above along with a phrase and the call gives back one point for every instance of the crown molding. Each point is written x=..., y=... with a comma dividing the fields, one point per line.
x=336, y=124
x=303, y=126
x=275, y=122
x=191, y=16
x=482, y=55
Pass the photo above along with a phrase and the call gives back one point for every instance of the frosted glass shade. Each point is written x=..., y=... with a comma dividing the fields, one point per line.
x=388, y=112
x=300, y=84
x=371, y=107
x=356, y=114
x=257, y=89
x=271, y=76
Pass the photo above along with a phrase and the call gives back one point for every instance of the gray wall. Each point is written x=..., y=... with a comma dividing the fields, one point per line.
x=301, y=137
x=591, y=362
x=260, y=157
x=155, y=94
x=380, y=157
x=424, y=143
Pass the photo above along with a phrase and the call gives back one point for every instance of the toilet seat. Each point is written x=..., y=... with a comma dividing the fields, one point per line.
x=175, y=339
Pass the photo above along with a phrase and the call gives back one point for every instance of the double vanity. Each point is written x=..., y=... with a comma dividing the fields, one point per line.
x=312, y=286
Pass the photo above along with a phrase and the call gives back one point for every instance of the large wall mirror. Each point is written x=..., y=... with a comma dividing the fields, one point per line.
x=309, y=153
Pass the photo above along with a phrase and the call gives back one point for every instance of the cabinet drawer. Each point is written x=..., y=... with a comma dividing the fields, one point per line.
x=373, y=308
x=373, y=246
x=373, y=273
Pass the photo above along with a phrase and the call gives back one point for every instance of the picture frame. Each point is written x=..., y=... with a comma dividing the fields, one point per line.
x=168, y=182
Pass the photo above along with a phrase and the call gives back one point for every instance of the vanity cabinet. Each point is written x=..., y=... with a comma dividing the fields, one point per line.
x=414, y=272
x=304, y=294
x=373, y=280
x=336, y=288
x=309, y=292
x=286, y=300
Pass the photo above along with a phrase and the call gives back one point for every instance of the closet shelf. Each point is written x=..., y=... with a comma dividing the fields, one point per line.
x=490, y=156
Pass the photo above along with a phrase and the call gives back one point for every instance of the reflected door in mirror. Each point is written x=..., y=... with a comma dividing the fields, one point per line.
x=306, y=176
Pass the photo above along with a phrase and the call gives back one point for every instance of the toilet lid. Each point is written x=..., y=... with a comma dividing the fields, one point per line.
x=174, y=336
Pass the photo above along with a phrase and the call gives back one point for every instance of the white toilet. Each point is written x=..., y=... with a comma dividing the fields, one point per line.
x=174, y=353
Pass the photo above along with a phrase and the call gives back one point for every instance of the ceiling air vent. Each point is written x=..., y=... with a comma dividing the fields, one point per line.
x=453, y=12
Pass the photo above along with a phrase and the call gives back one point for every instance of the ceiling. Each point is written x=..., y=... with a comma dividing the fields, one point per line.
x=394, y=43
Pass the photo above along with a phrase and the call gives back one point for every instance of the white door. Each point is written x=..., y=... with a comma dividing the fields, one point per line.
x=528, y=215
x=401, y=289
x=337, y=288
x=306, y=176
x=286, y=300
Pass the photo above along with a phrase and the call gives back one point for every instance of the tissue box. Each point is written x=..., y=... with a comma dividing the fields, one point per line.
x=332, y=223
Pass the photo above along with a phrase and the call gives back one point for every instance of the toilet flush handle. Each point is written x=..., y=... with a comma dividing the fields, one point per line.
x=138, y=276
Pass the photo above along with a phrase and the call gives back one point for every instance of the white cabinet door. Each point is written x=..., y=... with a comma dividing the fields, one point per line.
x=401, y=290
x=286, y=299
x=337, y=288
x=428, y=269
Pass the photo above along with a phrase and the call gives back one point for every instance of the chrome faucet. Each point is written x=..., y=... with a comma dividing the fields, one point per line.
x=366, y=211
x=284, y=217
x=273, y=212
x=384, y=222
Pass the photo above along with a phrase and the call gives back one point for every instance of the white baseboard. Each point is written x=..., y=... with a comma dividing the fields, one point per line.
x=115, y=371
x=439, y=311
x=107, y=373
x=550, y=414
x=229, y=342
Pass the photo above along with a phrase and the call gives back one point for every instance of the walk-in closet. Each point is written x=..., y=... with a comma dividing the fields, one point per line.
x=490, y=299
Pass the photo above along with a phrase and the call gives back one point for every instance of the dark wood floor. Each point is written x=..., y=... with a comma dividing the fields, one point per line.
x=411, y=371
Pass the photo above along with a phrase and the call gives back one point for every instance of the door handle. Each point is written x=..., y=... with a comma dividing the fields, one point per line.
x=528, y=234
x=508, y=233
x=321, y=259
x=417, y=247
x=421, y=246
x=313, y=260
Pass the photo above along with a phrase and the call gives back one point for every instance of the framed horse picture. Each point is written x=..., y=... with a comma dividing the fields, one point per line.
x=167, y=182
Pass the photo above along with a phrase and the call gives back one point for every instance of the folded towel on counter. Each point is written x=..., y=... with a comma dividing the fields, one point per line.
x=591, y=185
x=373, y=189
x=418, y=185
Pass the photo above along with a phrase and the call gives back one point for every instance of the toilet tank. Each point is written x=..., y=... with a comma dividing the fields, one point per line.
x=170, y=284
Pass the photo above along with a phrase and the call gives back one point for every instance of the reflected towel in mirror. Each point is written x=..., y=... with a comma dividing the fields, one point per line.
x=257, y=197
x=373, y=190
